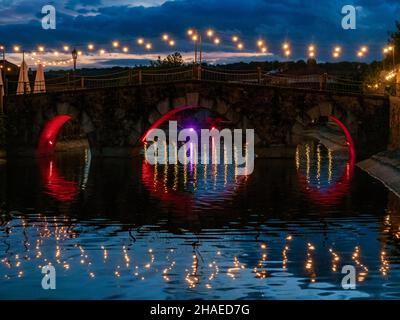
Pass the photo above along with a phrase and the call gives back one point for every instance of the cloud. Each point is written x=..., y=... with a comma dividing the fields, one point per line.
x=300, y=22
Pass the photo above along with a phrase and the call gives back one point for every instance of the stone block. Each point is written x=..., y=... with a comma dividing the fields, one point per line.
x=221, y=107
x=192, y=99
x=154, y=116
x=206, y=103
x=179, y=102
x=163, y=106
x=62, y=108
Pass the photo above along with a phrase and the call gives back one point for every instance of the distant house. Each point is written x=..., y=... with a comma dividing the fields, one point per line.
x=8, y=67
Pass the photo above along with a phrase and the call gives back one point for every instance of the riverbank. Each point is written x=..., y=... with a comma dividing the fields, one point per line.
x=385, y=167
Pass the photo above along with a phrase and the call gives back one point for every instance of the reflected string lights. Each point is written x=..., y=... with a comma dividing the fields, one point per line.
x=58, y=243
x=310, y=262
x=192, y=277
x=261, y=269
x=335, y=260
x=285, y=252
x=363, y=269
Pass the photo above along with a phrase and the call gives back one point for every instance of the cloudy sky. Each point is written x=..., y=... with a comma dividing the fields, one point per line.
x=301, y=22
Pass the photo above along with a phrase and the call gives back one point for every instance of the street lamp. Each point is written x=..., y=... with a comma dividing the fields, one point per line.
x=337, y=51
x=311, y=51
x=18, y=49
x=196, y=37
x=388, y=49
x=74, y=57
x=3, y=50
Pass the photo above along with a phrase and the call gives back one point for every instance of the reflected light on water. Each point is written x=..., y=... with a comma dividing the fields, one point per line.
x=200, y=231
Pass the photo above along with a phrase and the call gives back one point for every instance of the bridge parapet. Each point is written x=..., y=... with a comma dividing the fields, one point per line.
x=137, y=76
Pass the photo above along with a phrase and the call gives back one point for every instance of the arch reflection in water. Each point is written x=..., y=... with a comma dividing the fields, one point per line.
x=329, y=188
x=59, y=187
x=190, y=186
x=324, y=175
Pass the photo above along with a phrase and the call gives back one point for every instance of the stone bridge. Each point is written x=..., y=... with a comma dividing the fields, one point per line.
x=114, y=119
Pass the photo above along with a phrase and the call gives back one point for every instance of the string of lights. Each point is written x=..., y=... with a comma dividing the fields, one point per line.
x=61, y=56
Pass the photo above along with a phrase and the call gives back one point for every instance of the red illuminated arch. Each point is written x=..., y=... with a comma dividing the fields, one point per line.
x=48, y=137
x=349, y=139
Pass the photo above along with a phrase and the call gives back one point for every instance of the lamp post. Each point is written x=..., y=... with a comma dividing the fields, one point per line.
x=389, y=49
x=74, y=57
x=3, y=49
x=198, y=44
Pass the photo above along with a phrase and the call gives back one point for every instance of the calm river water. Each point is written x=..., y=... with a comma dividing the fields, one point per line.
x=122, y=229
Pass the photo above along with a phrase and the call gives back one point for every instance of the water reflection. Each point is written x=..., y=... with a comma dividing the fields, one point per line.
x=138, y=231
x=56, y=185
x=315, y=172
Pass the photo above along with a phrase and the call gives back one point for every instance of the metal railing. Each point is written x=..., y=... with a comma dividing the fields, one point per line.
x=320, y=82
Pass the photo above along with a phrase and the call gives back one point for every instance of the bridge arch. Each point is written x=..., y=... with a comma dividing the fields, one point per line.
x=221, y=110
x=54, y=123
x=164, y=118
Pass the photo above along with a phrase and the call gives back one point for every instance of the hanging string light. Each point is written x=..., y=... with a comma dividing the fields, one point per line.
x=311, y=51
x=168, y=39
x=286, y=49
x=336, y=52
x=213, y=36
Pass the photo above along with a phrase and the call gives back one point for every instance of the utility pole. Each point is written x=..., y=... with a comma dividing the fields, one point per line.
x=3, y=49
x=201, y=47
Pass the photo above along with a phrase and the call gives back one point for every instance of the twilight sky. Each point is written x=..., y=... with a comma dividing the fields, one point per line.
x=300, y=22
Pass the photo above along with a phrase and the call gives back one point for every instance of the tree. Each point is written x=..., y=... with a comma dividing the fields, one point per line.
x=171, y=61
x=394, y=40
